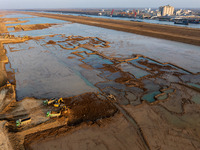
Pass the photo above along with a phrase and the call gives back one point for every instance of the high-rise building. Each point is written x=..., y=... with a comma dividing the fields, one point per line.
x=166, y=10
x=138, y=11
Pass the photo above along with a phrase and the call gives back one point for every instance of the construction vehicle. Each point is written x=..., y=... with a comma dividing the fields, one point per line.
x=24, y=121
x=112, y=97
x=52, y=114
x=8, y=84
x=65, y=109
x=58, y=102
x=49, y=101
x=111, y=13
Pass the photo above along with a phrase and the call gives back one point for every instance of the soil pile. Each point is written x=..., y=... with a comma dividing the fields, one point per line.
x=88, y=107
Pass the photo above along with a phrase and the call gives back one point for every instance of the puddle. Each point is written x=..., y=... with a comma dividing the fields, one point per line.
x=194, y=85
x=150, y=97
x=135, y=62
x=80, y=49
x=96, y=61
x=114, y=76
x=148, y=64
x=163, y=96
x=105, y=74
x=138, y=73
x=178, y=69
x=112, y=84
x=168, y=91
x=196, y=99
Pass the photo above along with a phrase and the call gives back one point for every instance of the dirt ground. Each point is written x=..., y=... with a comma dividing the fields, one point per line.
x=116, y=133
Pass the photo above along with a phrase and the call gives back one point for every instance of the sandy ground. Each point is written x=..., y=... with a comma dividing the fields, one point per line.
x=4, y=142
x=115, y=133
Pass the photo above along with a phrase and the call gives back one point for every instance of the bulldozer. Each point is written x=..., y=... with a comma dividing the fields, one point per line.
x=49, y=101
x=52, y=114
x=24, y=121
x=63, y=110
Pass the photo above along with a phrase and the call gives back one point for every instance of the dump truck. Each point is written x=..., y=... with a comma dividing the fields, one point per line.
x=24, y=121
x=58, y=102
x=52, y=114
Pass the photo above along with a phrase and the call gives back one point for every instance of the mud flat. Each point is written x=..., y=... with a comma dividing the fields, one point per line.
x=113, y=95
x=115, y=133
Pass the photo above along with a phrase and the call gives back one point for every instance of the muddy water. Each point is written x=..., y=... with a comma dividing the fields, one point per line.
x=45, y=72
x=48, y=69
x=124, y=44
x=138, y=73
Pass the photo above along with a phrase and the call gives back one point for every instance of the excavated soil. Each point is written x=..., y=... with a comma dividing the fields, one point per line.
x=88, y=107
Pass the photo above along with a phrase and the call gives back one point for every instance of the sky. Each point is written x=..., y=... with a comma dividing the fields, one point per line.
x=28, y=4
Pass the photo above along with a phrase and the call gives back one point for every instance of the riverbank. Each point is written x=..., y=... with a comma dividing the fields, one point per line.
x=179, y=34
x=141, y=103
x=3, y=57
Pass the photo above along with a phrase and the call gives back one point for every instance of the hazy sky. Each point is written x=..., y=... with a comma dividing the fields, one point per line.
x=18, y=4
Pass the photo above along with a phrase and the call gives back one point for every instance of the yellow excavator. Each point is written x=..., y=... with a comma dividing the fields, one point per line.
x=58, y=102
x=53, y=114
x=8, y=84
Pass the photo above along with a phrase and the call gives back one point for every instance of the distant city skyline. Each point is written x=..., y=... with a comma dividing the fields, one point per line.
x=28, y=4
